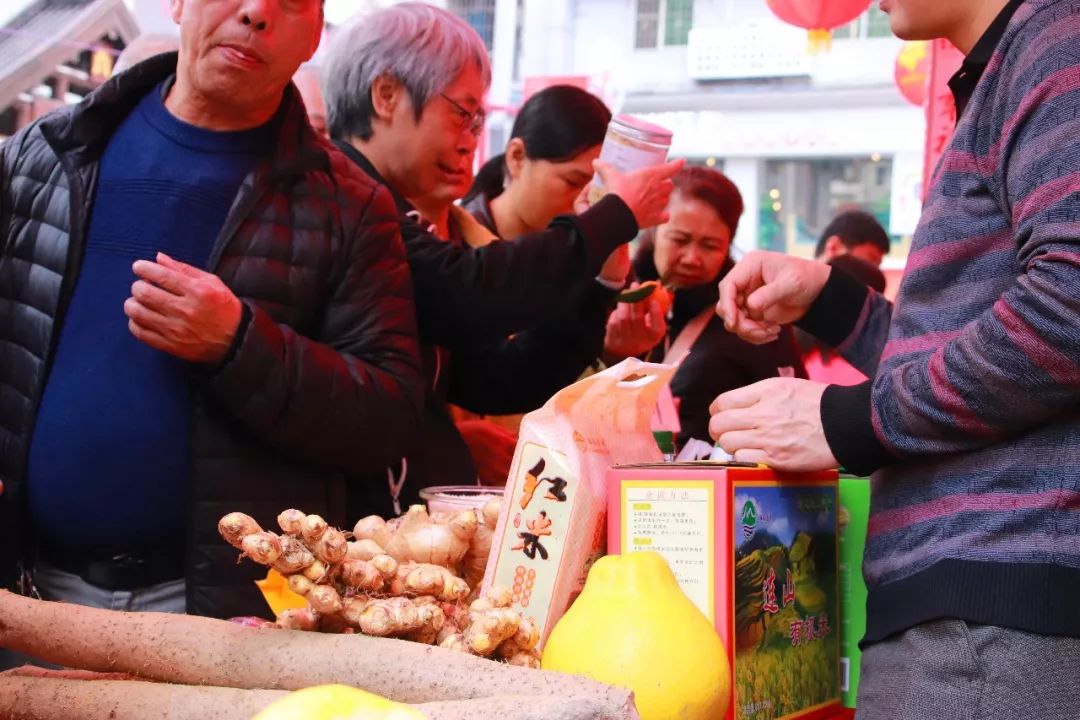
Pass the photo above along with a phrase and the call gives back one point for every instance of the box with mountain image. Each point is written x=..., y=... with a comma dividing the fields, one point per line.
x=756, y=551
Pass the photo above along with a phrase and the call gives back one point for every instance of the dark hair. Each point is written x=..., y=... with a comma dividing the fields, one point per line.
x=715, y=189
x=854, y=228
x=556, y=124
x=711, y=187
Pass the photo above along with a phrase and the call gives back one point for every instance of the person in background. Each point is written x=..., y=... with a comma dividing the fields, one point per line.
x=404, y=89
x=854, y=233
x=306, y=81
x=144, y=47
x=556, y=137
x=204, y=308
x=691, y=253
x=971, y=422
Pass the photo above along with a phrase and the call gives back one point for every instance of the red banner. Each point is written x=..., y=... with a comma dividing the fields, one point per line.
x=945, y=60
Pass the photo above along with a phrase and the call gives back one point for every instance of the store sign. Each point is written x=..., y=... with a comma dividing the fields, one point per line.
x=753, y=49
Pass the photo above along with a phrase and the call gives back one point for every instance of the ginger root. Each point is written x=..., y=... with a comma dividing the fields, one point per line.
x=419, y=539
x=476, y=557
x=363, y=550
x=236, y=526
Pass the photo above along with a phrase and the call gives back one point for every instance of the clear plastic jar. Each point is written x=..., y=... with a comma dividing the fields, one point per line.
x=455, y=498
x=631, y=144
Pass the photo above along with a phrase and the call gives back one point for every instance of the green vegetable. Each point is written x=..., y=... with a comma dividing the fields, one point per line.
x=639, y=293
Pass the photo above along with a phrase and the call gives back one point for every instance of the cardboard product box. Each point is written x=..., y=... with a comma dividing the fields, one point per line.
x=756, y=551
x=854, y=515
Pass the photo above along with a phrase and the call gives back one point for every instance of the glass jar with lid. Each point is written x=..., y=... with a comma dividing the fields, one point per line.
x=631, y=144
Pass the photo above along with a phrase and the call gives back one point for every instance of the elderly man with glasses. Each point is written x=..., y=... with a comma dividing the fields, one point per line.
x=404, y=90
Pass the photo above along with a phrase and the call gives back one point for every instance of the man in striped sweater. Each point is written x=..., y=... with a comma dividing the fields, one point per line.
x=971, y=423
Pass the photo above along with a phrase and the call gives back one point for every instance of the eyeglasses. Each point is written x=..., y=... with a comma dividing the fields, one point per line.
x=471, y=121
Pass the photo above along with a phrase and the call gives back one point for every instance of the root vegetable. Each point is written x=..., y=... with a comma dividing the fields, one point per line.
x=366, y=528
x=455, y=642
x=335, y=625
x=312, y=527
x=189, y=649
x=331, y=547
x=418, y=539
x=392, y=616
x=476, y=557
x=236, y=526
x=500, y=597
x=291, y=521
x=361, y=576
x=298, y=619
x=300, y=585
x=525, y=658
x=490, y=629
x=325, y=600
x=527, y=636
x=316, y=572
x=262, y=547
x=365, y=549
x=37, y=698
x=295, y=556
x=520, y=707
x=386, y=565
x=353, y=607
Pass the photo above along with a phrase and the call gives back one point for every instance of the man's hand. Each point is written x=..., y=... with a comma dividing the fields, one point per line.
x=766, y=290
x=646, y=191
x=181, y=310
x=634, y=329
x=776, y=422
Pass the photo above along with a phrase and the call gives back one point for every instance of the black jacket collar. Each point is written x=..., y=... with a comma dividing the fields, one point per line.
x=971, y=71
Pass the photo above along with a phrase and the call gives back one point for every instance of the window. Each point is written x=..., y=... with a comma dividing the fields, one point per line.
x=678, y=18
x=480, y=14
x=873, y=23
x=648, y=24
x=800, y=197
x=667, y=19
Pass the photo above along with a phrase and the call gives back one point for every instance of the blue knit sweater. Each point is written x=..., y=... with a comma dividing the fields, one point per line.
x=973, y=413
x=108, y=459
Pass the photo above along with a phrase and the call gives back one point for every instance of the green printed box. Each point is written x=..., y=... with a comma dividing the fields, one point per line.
x=853, y=516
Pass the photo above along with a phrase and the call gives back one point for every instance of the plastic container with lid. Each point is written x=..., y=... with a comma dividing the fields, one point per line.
x=455, y=498
x=631, y=144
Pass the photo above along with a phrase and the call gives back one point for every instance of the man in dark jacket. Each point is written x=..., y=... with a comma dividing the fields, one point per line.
x=404, y=90
x=204, y=307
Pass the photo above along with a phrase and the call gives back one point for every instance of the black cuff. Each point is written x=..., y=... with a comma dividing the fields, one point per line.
x=605, y=226
x=849, y=429
x=836, y=311
x=237, y=341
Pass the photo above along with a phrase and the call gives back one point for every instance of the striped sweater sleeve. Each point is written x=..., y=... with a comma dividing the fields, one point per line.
x=1017, y=365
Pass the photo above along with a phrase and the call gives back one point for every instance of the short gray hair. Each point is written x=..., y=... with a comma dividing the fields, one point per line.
x=423, y=47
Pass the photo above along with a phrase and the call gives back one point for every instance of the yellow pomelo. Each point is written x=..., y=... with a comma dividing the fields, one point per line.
x=634, y=627
x=337, y=702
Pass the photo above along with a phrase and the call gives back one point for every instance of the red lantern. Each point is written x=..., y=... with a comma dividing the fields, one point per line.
x=913, y=70
x=818, y=16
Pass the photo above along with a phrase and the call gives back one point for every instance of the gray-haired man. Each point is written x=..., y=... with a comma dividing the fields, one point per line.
x=404, y=91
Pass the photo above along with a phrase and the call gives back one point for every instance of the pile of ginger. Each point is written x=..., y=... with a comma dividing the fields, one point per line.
x=414, y=577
